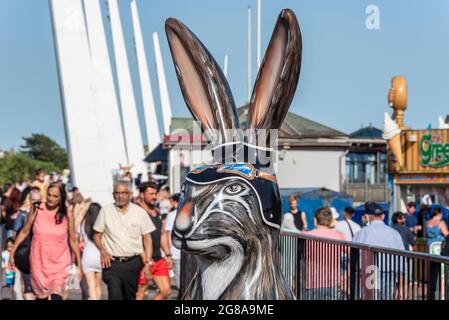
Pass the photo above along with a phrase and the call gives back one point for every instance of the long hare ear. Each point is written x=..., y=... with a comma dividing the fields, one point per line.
x=203, y=85
x=278, y=75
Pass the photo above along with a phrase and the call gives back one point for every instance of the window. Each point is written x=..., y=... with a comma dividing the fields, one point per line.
x=365, y=168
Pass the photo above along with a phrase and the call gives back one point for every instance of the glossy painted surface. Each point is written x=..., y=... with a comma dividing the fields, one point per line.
x=229, y=215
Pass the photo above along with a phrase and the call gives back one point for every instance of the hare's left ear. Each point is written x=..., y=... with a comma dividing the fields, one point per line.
x=203, y=85
x=278, y=75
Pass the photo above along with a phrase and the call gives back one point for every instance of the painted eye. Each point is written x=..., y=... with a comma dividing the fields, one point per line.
x=234, y=188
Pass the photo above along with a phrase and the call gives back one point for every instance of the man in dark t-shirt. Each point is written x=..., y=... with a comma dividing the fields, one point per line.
x=162, y=265
x=407, y=236
x=411, y=221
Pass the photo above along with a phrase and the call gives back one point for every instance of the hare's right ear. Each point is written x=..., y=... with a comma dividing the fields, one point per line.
x=278, y=75
x=203, y=85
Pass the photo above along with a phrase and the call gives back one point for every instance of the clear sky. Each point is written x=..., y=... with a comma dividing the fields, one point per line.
x=344, y=79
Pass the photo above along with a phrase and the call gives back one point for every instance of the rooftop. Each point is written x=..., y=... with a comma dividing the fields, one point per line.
x=294, y=126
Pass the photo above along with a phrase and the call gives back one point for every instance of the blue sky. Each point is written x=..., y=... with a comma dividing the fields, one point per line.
x=344, y=79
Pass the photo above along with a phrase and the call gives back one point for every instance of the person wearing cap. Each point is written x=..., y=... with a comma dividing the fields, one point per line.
x=407, y=236
x=377, y=233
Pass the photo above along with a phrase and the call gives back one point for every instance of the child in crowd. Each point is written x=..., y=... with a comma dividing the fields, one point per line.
x=9, y=275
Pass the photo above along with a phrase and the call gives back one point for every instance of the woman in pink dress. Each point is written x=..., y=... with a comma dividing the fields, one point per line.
x=53, y=228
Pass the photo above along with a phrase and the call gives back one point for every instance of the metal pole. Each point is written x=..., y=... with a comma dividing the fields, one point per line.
x=151, y=121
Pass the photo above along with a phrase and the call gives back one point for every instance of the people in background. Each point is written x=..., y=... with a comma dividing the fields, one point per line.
x=176, y=253
x=33, y=197
x=423, y=215
x=436, y=228
x=411, y=220
x=161, y=248
x=54, y=238
x=91, y=255
x=123, y=237
x=138, y=180
x=163, y=199
x=12, y=206
x=377, y=233
x=323, y=220
x=40, y=182
x=407, y=236
x=331, y=286
x=294, y=220
x=8, y=272
x=347, y=226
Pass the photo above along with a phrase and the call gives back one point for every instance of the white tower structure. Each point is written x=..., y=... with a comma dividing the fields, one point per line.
x=163, y=90
x=105, y=97
x=133, y=136
x=152, y=127
x=86, y=146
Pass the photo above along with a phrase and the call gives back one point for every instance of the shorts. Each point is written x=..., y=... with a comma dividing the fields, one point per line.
x=9, y=279
x=159, y=268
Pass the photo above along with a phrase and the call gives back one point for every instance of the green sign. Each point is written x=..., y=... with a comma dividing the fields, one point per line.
x=434, y=153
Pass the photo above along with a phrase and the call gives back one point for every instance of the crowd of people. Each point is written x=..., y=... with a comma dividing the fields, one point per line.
x=328, y=263
x=403, y=233
x=53, y=240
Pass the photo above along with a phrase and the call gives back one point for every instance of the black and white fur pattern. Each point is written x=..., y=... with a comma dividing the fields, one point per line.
x=222, y=220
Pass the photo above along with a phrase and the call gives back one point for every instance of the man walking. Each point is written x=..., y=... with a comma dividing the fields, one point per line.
x=160, y=270
x=176, y=258
x=123, y=236
x=347, y=226
x=377, y=233
x=399, y=225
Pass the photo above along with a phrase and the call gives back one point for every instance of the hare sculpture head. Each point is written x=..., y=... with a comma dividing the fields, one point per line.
x=230, y=213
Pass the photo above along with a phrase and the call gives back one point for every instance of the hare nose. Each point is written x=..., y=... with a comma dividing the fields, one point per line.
x=183, y=222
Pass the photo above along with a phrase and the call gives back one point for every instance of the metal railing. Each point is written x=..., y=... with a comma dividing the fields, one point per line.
x=326, y=269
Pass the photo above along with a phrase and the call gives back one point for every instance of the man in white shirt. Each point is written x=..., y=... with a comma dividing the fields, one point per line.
x=123, y=236
x=176, y=253
x=347, y=226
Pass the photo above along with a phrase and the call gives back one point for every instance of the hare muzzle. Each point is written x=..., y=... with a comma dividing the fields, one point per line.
x=183, y=222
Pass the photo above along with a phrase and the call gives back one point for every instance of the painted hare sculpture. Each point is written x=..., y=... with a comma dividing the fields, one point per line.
x=230, y=213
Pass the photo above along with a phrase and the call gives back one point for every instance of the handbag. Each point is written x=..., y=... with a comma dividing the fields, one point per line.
x=73, y=282
x=22, y=254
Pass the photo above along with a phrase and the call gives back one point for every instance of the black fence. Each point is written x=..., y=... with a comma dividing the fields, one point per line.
x=325, y=269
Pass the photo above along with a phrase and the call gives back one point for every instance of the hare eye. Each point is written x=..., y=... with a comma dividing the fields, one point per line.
x=234, y=188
